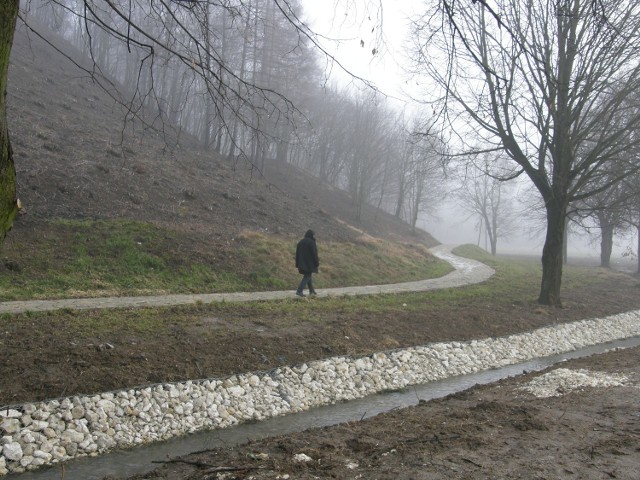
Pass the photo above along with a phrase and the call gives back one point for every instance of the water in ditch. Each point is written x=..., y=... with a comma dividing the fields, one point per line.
x=140, y=459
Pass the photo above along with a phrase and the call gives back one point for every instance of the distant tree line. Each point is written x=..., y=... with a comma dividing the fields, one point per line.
x=249, y=84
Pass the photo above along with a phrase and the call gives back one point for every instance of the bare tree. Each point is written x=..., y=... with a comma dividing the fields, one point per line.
x=483, y=194
x=631, y=209
x=323, y=143
x=605, y=212
x=539, y=80
x=153, y=35
x=633, y=218
x=370, y=141
x=616, y=193
x=423, y=178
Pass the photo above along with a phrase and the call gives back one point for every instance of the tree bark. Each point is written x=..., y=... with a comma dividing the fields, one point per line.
x=606, y=244
x=552, y=255
x=8, y=200
x=565, y=243
x=638, y=250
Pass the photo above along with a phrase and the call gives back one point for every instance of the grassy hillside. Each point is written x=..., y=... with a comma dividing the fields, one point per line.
x=113, y=207
x=72, y=258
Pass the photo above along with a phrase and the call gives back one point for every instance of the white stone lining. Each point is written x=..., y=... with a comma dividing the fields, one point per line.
x=53, y=431
x=561, y=381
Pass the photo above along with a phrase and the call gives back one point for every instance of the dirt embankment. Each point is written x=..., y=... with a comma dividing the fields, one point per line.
x=498, y=431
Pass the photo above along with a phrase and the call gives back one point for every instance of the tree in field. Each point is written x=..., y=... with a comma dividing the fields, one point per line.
x=547, y=83
x=482, y=194
x=631, y=207
x=421, y=181
x=608, y=212
x=632, y=217
x=616, y=192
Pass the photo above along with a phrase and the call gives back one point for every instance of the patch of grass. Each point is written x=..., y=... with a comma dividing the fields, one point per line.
x=99, y=258
x=476, y=253
x=117, y=257
x=526, y=273
x=271, y=261
x=69, y=258
x=515, y=282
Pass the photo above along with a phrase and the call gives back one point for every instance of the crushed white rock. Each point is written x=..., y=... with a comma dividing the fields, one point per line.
x=302, y=458
x=53, y=431
x=563, y=380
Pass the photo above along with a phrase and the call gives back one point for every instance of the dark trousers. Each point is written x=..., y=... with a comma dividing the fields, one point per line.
x=306, y=281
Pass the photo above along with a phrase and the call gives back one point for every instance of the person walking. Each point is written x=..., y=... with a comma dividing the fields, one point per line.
x=307, y=262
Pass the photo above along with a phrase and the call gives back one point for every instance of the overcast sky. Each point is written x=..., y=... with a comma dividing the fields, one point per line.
x=356, y=32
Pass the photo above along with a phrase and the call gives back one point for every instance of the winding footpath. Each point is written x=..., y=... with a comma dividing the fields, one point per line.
x=466, y=272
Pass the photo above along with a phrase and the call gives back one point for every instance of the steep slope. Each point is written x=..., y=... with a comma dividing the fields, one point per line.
x=77, y=158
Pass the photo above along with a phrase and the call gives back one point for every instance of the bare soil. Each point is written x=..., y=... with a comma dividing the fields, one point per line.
x=488, y=432
x=76, y=160
x=495, y=431
x=50, y=356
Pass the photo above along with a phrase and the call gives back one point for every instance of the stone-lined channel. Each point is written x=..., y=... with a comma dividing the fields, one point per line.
x=43, y=433
x=140, y=460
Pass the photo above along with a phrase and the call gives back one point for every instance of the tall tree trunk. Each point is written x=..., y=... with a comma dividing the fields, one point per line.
x=565, y=242
x=417, y=202
x=555, y=196
x=282, y=149
x=492, y=231
x=552, y=254
x=8, y=199
x=606, y=244
x=206, y=127
x=401, y=188
x=216, y=122
x=234, y=140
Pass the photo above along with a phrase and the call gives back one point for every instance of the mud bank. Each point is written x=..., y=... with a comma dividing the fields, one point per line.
x=54, y=431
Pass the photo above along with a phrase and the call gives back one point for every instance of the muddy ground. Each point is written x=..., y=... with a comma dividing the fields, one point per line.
x=488, y=432
x=494, y=432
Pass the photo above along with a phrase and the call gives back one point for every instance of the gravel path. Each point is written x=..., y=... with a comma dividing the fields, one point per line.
x=466, y=272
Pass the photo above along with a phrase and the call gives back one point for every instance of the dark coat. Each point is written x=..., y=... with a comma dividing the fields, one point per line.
x=307, y=255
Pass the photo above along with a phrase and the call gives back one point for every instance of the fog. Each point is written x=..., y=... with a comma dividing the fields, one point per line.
x=452, y=226
x=339, y=123
x=361, y=31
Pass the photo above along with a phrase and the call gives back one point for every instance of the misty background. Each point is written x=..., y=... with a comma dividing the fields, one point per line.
x=338, y=97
